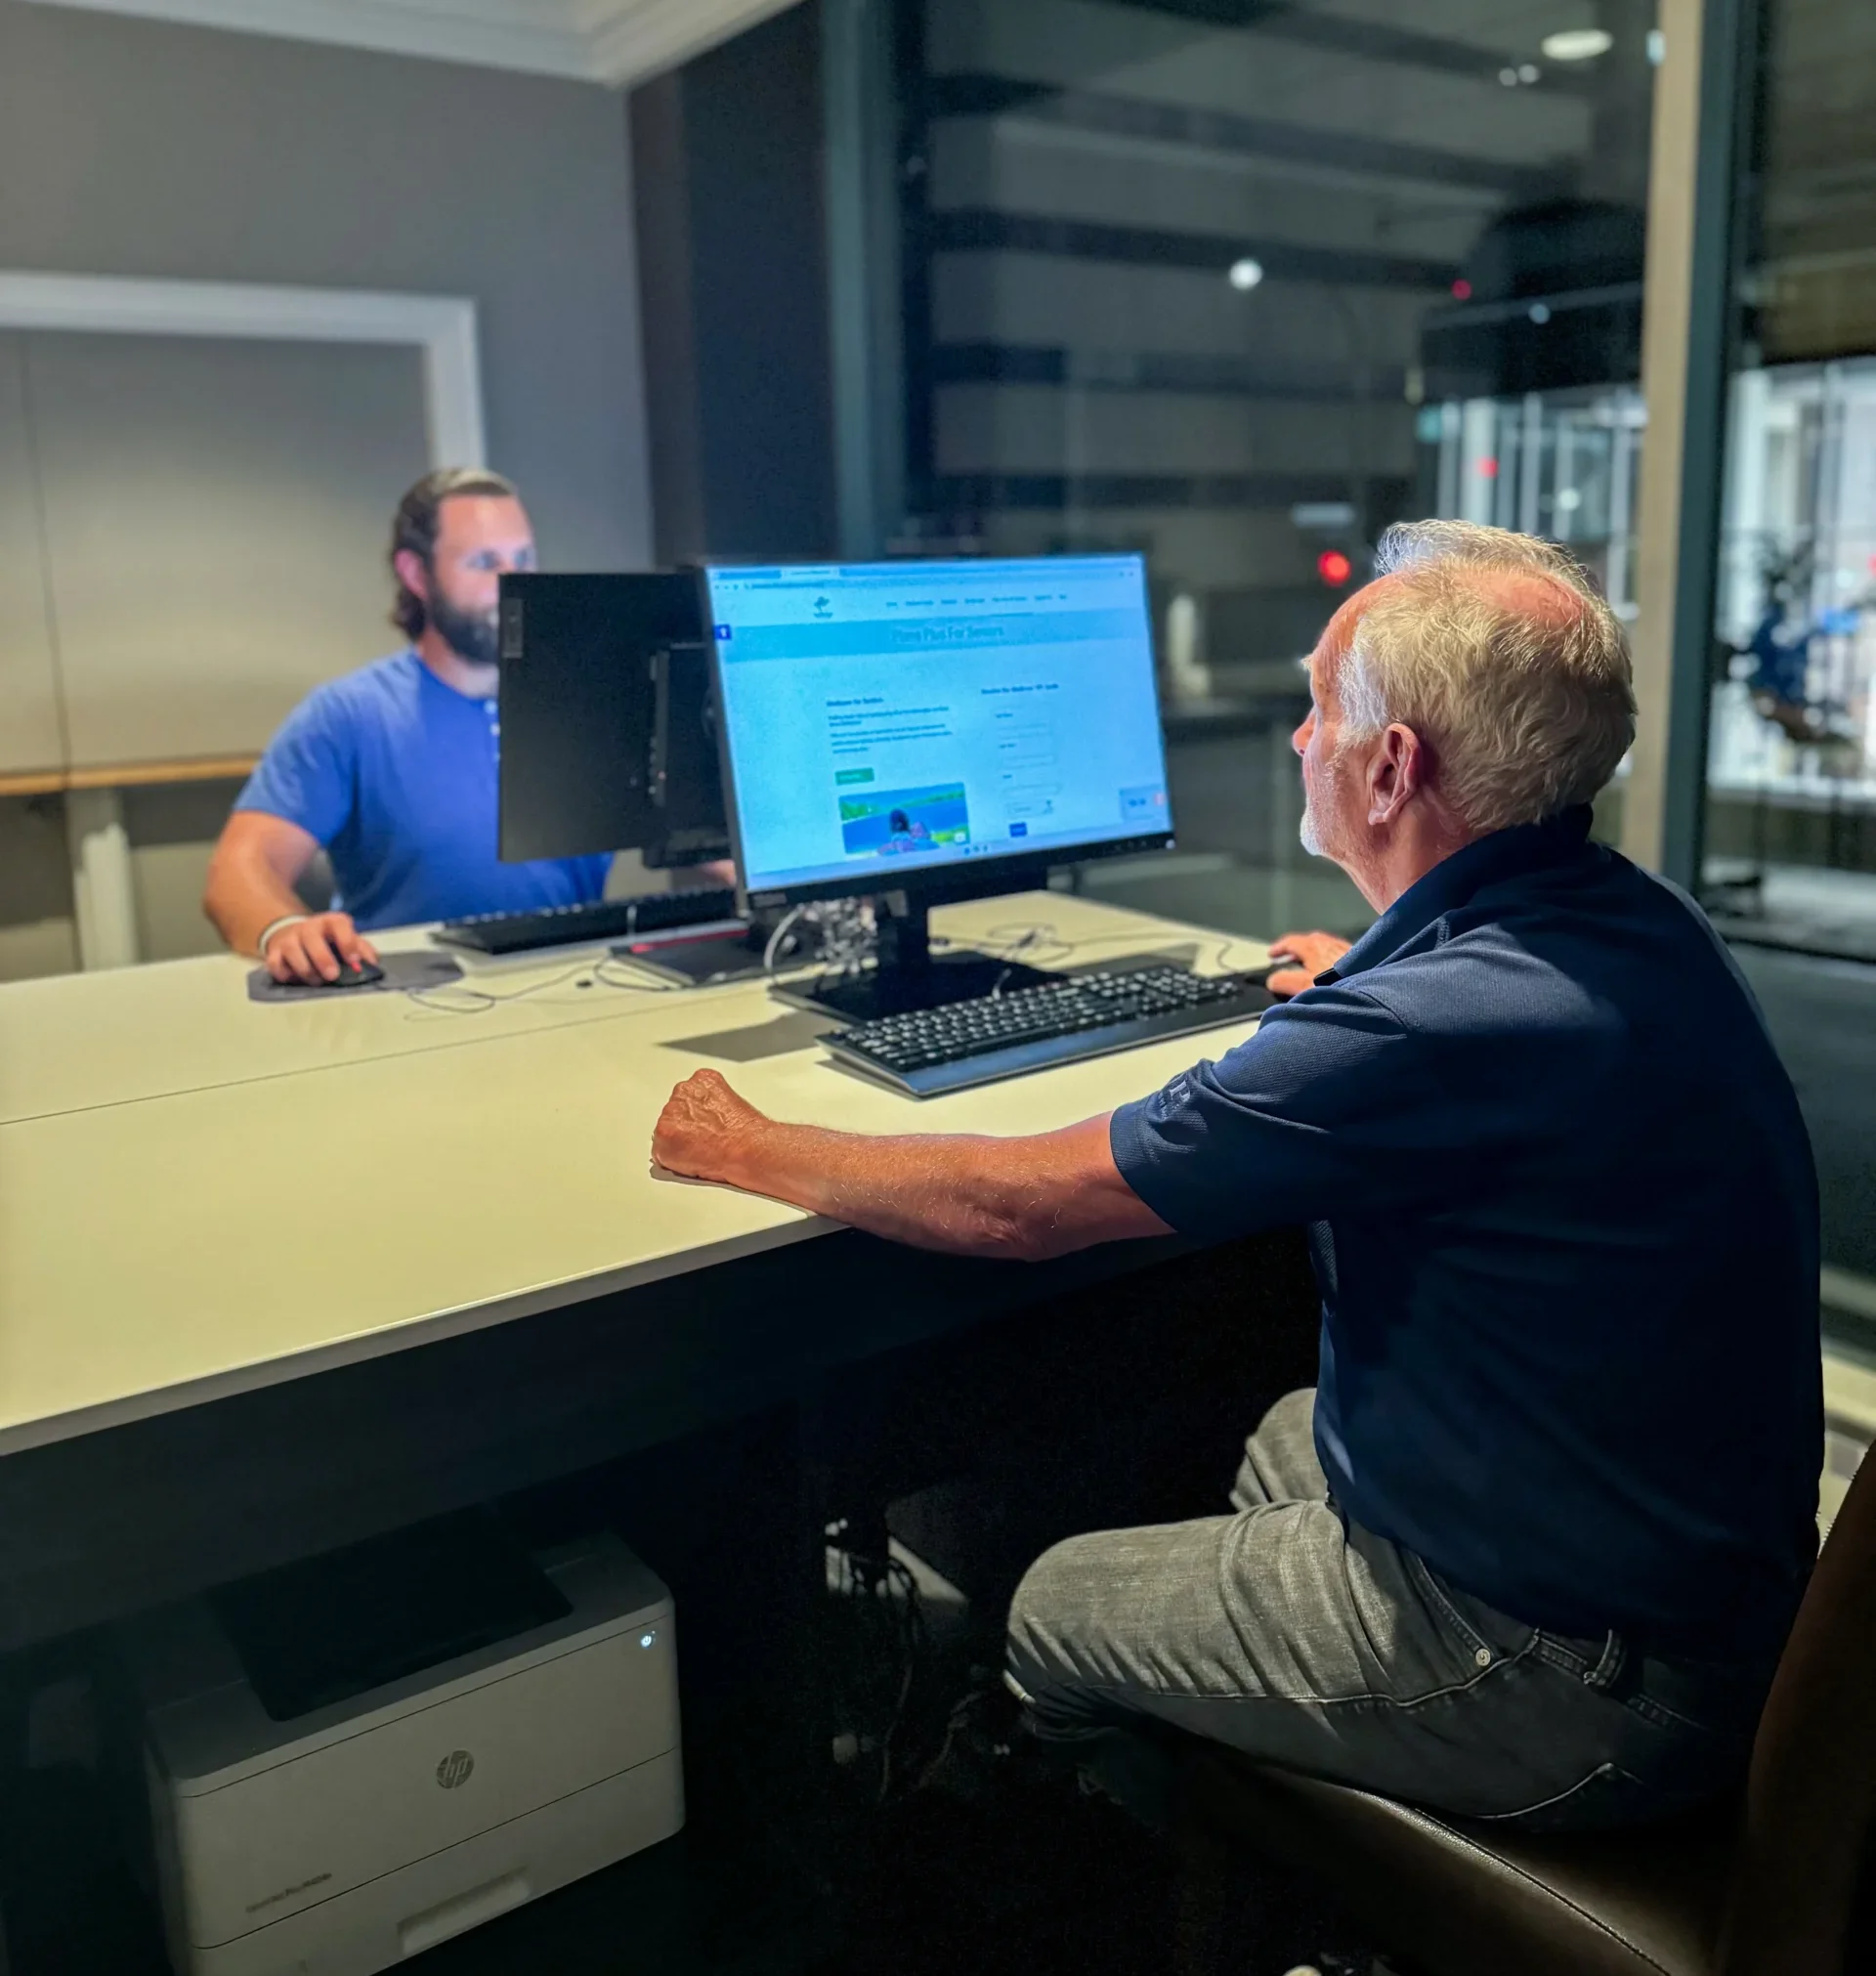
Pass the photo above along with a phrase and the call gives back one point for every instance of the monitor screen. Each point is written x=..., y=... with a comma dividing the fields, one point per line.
x=884, y=721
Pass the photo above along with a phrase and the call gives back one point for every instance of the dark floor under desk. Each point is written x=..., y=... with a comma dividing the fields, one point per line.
x=785, y=1863
x=1028, y=1885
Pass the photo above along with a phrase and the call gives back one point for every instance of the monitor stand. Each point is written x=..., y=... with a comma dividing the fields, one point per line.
x=907, y=976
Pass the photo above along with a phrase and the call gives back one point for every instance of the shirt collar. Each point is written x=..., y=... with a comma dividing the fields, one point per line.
x=1453, y=881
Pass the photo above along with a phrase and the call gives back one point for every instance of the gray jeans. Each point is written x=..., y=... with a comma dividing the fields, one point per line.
x=1312, y=1644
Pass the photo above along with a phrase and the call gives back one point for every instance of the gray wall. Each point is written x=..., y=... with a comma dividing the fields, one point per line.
x=138, y=147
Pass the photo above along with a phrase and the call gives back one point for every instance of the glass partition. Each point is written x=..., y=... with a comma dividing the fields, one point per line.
x=1237, y=285
x=1790, y=821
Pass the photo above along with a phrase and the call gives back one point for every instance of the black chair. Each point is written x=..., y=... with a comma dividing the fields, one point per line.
x=1777, y=1884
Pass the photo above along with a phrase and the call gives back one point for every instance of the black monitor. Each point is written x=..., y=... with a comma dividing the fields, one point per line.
x=922, y=732
x=607, y=734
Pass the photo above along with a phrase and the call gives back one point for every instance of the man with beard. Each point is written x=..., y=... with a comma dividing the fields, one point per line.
x=392, y=770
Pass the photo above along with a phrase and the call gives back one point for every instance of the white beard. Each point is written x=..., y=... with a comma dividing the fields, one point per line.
x=1310, y=832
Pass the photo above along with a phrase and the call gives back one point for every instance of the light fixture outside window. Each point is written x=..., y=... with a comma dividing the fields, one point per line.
x=1245, y=275
x=1578, y=44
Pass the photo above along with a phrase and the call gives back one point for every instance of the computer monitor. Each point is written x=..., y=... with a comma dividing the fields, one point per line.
x=934, y=730
x=607, y=734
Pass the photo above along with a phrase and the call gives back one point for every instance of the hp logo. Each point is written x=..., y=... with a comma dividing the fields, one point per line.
x=454, y=1769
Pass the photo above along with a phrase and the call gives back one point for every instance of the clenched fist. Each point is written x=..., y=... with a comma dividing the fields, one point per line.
x=703, y=1128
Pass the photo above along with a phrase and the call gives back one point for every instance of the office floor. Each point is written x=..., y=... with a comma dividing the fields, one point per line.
x=1022, y=1882
x=976, y=1862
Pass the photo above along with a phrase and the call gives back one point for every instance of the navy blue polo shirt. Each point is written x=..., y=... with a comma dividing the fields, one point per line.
x=1565, y=1225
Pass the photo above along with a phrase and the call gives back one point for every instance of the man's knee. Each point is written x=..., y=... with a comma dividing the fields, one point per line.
x=1047, y=1617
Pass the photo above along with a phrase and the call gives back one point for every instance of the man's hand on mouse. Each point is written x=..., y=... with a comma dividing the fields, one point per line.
x=310, y=950
x=1311, y=952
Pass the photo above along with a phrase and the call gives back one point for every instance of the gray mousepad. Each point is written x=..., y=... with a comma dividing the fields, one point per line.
x=402, y=973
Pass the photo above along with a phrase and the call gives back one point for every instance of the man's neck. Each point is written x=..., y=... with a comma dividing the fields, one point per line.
x=460, y=674
x=1400, y=860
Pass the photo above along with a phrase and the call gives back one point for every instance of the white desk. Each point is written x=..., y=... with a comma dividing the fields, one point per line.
x=200, y=1195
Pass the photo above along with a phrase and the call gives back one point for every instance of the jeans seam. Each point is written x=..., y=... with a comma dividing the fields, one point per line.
x=1424, y=1573
x=1395, y=1701
x=1605, y=1769
x=1552, y=1650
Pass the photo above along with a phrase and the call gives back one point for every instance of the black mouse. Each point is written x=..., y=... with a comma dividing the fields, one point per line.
x=360, y=977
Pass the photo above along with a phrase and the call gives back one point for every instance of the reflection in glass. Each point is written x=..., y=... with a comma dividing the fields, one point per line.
x=1237, y=285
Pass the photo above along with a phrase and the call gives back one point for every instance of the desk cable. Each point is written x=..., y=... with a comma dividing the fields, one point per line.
x=477, y=1001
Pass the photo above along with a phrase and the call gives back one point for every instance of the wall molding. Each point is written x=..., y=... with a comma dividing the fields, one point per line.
x=441, y=328
x=613, y=42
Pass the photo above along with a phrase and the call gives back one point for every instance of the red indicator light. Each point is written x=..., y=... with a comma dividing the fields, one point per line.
x=1488, y=469
x=1334, y=568
x=1462, y=291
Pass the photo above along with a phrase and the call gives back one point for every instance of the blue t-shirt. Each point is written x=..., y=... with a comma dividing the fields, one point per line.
x=1566, y=1234
x=395, y=774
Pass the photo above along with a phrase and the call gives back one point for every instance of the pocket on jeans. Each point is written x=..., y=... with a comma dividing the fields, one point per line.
x=1608, y=1795
x=1470, y=1621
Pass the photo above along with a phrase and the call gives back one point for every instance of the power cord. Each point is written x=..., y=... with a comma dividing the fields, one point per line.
x=884, y=1589
x=475, y=1001
x=845, y=934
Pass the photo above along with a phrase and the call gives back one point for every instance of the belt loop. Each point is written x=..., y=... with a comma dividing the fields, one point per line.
x=1608, y=1671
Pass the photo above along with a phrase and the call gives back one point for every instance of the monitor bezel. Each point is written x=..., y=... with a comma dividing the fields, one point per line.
x=985, y=877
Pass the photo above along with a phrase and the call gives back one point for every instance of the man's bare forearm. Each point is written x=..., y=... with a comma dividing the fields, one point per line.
x=245, y=897
x=1024, y=1198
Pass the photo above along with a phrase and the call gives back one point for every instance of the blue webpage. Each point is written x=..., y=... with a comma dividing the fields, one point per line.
x=880, y=714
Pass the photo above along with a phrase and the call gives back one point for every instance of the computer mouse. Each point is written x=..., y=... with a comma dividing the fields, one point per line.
x=360, y=977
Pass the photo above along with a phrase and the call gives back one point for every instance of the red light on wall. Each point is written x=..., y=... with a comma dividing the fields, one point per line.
x=1334, y=568
x=1487, y=469
x=1462, y=291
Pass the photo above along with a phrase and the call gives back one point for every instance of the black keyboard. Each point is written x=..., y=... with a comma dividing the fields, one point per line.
x=995, y=1036
x=708, y=907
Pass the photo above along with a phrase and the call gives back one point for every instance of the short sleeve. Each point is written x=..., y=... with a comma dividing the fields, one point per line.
x=1319, y=1114
x=309, y=773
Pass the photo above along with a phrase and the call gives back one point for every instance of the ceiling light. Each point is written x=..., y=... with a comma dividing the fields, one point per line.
x=1657, y=46
x=1528, y=72
x=1245, y=275
x=1508, y=77
x=1578, y=44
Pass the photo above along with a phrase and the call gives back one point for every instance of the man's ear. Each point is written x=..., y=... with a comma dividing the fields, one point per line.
x=411, y=573
x=1395, y=774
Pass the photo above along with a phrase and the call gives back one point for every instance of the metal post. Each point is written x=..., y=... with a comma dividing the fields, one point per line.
x=862, y=266
x=103, y=896
x=1700, y=105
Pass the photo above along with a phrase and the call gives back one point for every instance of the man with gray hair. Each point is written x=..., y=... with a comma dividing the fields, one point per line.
x=1530, y=1549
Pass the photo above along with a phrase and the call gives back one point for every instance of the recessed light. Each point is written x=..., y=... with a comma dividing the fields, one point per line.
x=1245, y=275
x=1528, y=72
x=1578, y=44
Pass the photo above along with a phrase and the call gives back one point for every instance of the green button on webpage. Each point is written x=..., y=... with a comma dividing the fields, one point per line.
x=843, y=776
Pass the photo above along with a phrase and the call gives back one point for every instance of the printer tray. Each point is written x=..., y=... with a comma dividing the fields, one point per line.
x=321, y=1631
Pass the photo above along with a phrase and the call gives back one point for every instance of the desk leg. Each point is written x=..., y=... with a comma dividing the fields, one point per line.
x=101, y=878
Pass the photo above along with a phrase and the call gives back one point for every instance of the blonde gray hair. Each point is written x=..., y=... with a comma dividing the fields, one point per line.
x=1503, y=658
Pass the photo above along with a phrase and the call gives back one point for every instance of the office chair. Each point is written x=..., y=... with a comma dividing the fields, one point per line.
x=1778, y=1883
